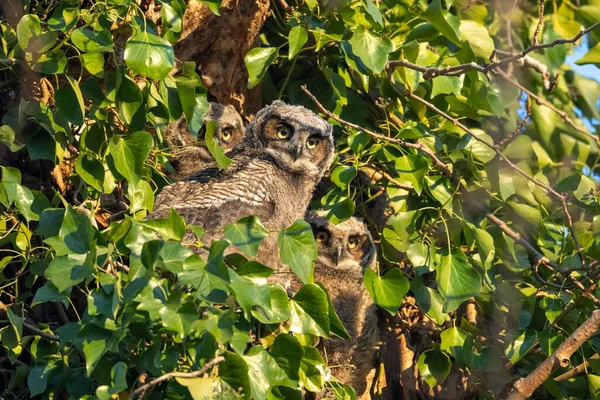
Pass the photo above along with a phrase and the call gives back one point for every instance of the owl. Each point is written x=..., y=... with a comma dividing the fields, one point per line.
x=272, y=175
x=346, y=250
x=190, y=154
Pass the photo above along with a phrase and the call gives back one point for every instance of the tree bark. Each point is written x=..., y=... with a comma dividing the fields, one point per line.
x=525, y=386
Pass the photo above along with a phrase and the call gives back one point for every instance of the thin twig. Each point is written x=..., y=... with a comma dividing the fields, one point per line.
x=525, y=386
x=576, y=370
x=455, y=70
x=543, y=102
x=450, y=174
x=501, y=144
x=176, y=374
x=572, y=232
x=40, y=332
x=538, y=28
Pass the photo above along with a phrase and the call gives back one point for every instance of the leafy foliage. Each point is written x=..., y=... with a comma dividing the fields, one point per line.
x=490, y=170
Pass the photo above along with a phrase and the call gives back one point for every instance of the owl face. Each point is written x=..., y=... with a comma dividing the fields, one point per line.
x=230, y=127
x=298, y=140
x=344, y=246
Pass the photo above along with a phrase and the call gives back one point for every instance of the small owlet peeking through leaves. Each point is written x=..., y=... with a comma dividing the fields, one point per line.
x=346, y=250
x=190, y=153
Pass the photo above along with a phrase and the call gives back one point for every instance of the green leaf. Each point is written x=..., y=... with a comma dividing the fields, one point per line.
x=372, y=50
x=518, y=344
x=213, y=146
x=93, y=63
x=8, y=138
x=234, y=372
x=387, y=291
x=129, y=99
x=89, y=41
x=457, y=281
x=335, y=324
x=171, y=15
x=298, y=38
x=200, y=388
x=54, y=62
x=129, y=154
x=298, y=249
x=478, y=37
x=456, y=342
x=70, y=102
x=141, y=199
x=90, y=170
x=312, y=370
x=10, y=174
x=264, y=372
x=68, y=271
x=213, y=5
x=591, y=57
x=288, y=352
x=309, y=311
x=412, y=169
x=48, y=292
x=172, y=227
x=447, y=85
x=342, y=175
x=63, y=18
x=39, y=375
x=434, y=366
x=30, y=35
x=247, y=234
x=446, y=23
x=278, y=309
x=149, y=55
x=257, y=62
x=76, y=231
x=250, y=291
x=594, y=384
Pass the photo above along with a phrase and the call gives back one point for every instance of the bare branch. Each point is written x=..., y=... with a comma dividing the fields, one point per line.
x=142, y=389
x=501, y=144
x=538, y=28
x=525, y=386
x=543, y=102
x=450, y=174
x=576, y=370
x=572, y=232
x=575, y=303
x=455, y=70
x=40, y=332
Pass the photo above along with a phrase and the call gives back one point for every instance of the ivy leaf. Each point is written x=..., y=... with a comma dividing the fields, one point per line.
x=457, y=281
x=309, y=311
x=335, y=324
x=129, y=154
x=518, y=344
x=247, y=234
x=257, y=62
x=90, y=170
x=54, y=62
x=478, y=37
x=76, y=231
x=298, y=38
x=456, y=342
x=288, y=352
x=446, y=23
x=591, y=57
x=434, y=366
x=200, y=388
x=39, y=375
x=30, y=35
x=412, y=169
x=70, y=102
x=149, y=55
x=213, y=5
x=172, y=227
x=312, y=370
x=234, y=372
x=129, y=99
x=298, y=249
x=264, y=372
x=67, y=271
x=213, y=146
x=250, y=291
x=387, y=291
x=372, y=50
x=90, y=41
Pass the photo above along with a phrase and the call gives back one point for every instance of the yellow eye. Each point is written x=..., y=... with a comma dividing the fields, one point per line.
x=321, y=237
x=227, y=134
x=311, y=143
x=352, y=242
x=284, y=132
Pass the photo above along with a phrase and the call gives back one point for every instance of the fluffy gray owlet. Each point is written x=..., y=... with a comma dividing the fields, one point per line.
x=272, y=176
x=346, y=250
x=190, y=153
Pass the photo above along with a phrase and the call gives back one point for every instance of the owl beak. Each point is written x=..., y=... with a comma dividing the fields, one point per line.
x=296, y=152
x=337, y=253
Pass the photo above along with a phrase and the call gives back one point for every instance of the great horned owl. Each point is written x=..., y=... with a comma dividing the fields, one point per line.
x=190, y=153
x=272, y=175
x=346, y=250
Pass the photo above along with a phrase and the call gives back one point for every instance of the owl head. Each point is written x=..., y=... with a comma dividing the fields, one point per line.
x=230, y=127
x=344, y=246
x=297, y=139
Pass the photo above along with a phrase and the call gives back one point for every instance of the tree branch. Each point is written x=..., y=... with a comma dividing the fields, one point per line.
x=501, y=144
x=450, y=174
x=525, y=386
x=576, y=370
x=40, y=332
x=142, y=389
x=543, y=102
x=538, y=28
x=455, y=70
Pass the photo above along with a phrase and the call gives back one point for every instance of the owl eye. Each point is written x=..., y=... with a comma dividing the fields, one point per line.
x=311, y=143
x=284, y=132
x=321, y=237
x=352, y=242
x=227, y=134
